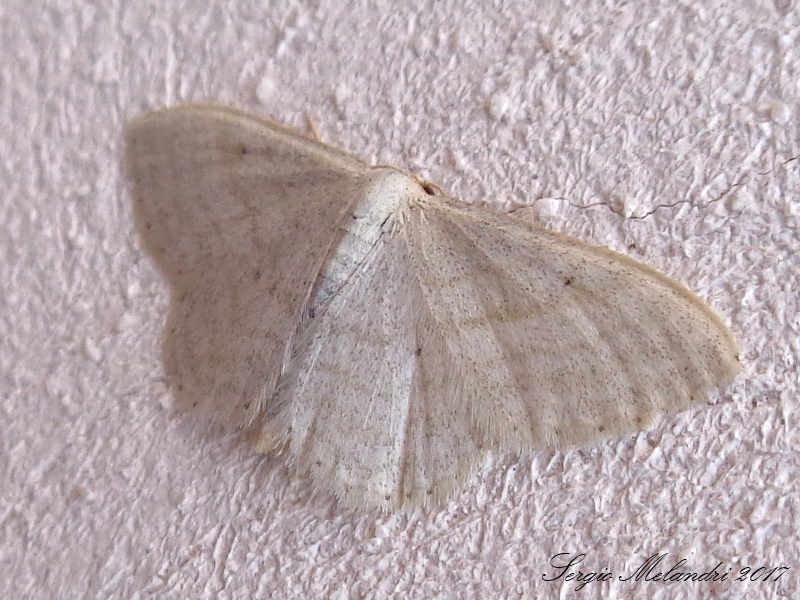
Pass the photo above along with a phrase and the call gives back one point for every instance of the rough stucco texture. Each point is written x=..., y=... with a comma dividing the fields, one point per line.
x=664, y=130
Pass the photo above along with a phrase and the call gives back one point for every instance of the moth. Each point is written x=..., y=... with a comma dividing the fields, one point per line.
x=383, y=335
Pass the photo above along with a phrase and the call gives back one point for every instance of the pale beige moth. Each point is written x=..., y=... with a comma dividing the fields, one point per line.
x=384, y=336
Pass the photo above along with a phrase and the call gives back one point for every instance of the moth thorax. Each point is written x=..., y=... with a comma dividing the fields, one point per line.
x=385, y=194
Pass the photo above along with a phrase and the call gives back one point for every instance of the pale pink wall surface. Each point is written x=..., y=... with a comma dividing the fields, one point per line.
x=667, y=131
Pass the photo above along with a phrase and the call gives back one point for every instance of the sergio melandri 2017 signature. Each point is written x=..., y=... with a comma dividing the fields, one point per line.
x=652, y=570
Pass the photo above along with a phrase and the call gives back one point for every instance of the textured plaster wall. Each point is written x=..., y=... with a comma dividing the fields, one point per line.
x=668, y=131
